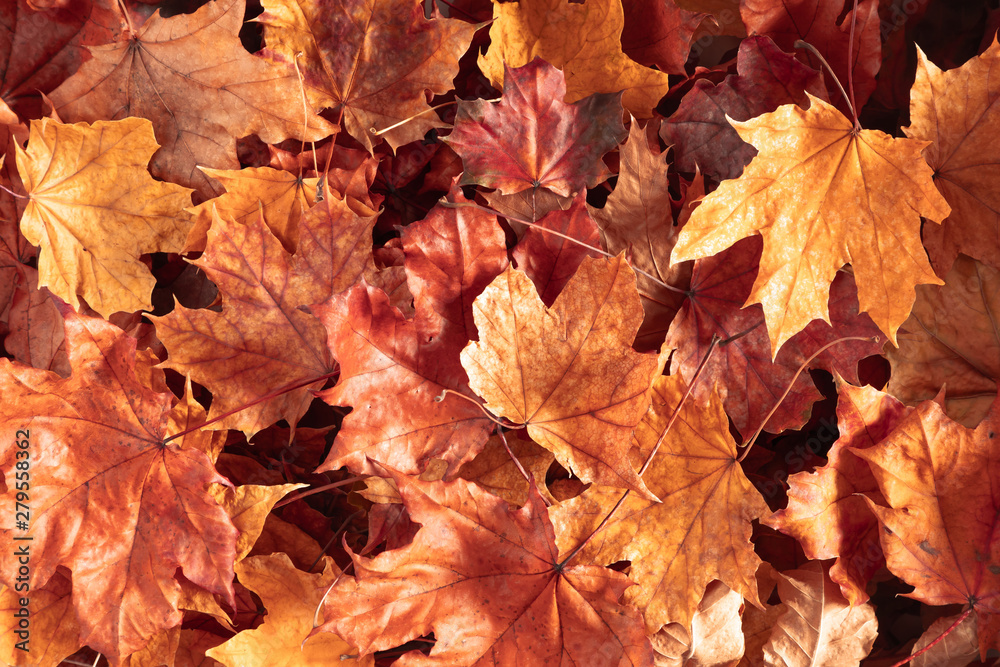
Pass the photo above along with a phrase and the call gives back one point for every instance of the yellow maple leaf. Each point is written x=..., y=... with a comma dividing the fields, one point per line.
x=823, y=195
x=281, y=197
x=283, y=639
x=94, y=209
x=701, y=529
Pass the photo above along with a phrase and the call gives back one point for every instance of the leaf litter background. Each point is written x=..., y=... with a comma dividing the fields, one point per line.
x=198, y=223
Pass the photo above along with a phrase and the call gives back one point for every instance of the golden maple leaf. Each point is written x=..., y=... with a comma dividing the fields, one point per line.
x=94, y=209
x=699, y=532
x=582, y=39
x=291, y=596
x=823, y=194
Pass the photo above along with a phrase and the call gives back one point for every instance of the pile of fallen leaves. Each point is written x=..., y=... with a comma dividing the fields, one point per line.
x=537, y=333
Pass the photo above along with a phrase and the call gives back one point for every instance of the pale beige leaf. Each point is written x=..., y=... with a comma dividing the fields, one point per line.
x=819, y=627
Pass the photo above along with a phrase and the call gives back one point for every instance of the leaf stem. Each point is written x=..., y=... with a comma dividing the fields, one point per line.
x=13, y=194
x=687, y=392
x=802, y=44
x=266, y=397
x=318, y=489
x=329, y=588
x=850, y=66
x=649, y=459
x=379, y=133
x=958, y=621
x=791, y=384
x=508, y=424
x=343, y=527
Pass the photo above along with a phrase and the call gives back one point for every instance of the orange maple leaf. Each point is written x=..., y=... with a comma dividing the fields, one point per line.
x=940, y=517
x=959, y=111
x=281, y=197
x=951, y=341
x=826, y=509
x=822, y=195
x=374, y=61
x=112, y=503
x=283, y=639
x=190, y=75
x=568, y=373
x=699, y=532
x=94, y=209
x=393, y=369
x=261, y=341
x=487, y=582
x=581, y=39
x=637, y=218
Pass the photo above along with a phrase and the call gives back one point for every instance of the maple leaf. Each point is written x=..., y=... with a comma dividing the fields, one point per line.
x=818, y=626
x=94, y=209
x=334, y=249
x=567, y=373
x=390, y=366
x=190, y=75
x=259, y=343
x=283, y=639
x=531, y=139
x=699, y=532
x=372, y=61
x=940, y=514
x=109, y=501
x=450, y=257
x=581, y=39
x=42, y=48
x=766, y=78
x=637, y=219
x=818, y=193
x=951, y=341
x=751, y=384
x=279, y=196
x=958, y=110
x=826, y=512
x=487, y=582
x=828, y=27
